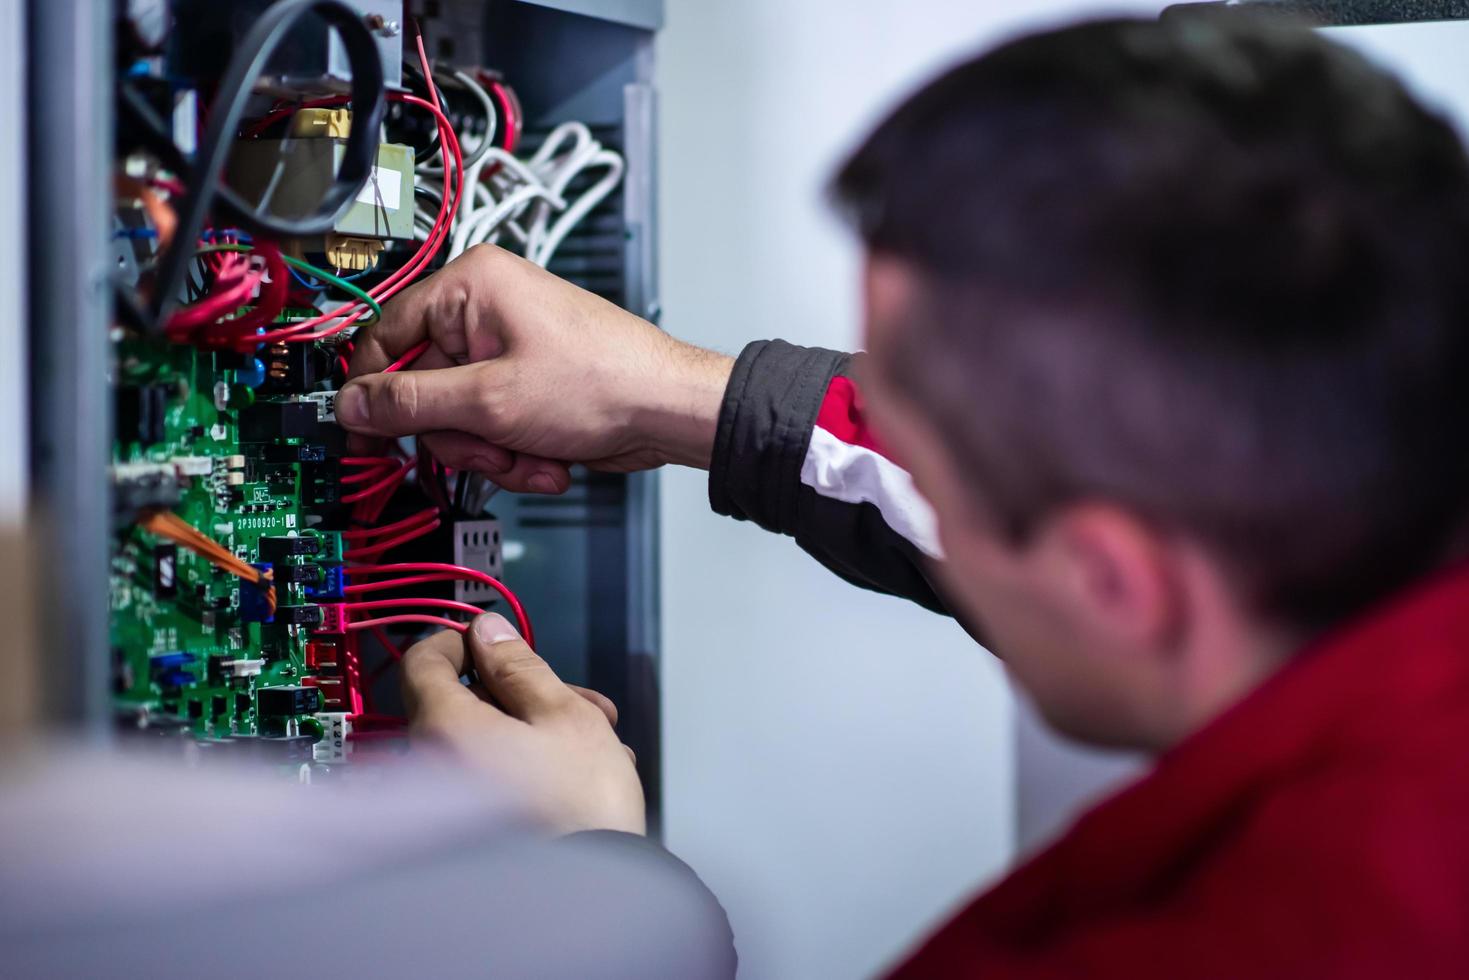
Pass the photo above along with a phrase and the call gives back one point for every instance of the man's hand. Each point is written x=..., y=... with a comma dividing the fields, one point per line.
x=550, y=741
x=527, y=373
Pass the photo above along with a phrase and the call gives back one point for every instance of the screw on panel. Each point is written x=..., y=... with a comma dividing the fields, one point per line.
x=379, y=23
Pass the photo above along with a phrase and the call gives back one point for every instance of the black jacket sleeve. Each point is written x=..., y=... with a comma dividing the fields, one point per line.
x=765, y=423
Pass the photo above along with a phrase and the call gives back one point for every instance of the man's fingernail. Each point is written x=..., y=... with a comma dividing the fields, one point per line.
x=542, y=483
x=494, y=628
x=351, y=406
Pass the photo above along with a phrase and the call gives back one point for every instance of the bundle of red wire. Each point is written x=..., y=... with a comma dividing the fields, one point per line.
x=237, y=277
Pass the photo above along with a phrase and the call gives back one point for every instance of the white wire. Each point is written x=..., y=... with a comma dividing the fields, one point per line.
x=561, y=170
x=479, y=227
x=583, y=206
x=576, y=130
x=525, y=171
x=525, y=200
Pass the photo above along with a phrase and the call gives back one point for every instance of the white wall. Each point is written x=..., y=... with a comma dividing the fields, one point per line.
x=838, y=766
x=1427, y=57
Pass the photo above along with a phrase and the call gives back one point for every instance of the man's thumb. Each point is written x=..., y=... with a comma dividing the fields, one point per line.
x=512, y=672
x=407, y=403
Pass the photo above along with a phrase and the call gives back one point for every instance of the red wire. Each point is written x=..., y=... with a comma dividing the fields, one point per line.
x=507, y=113
x=449, y=604
x=371, y=500
x=510, y=122
x=235, y=282
x=274, y=292
x=408, y=618
x=390, y=480
x=352, y=671
x=365, y=475
x=400, y=583
x=461, y=572
x=424, y=516
x=413, y=353
x=358, y=554
x=428, y=75
x=368, y=511
x=371, y=509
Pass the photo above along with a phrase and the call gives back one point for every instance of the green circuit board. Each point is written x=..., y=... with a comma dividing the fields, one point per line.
x=195, y=648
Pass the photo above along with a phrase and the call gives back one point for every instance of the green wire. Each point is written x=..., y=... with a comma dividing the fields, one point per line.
x=355, y=290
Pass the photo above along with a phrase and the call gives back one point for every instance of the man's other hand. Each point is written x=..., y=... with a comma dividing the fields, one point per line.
x=552, y=743
x=527, y=373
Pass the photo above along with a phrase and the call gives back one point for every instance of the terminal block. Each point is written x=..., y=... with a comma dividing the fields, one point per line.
x=477, y=545
x=334, y=745
x=333, y=618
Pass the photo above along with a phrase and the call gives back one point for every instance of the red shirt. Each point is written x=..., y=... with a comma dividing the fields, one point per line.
x=1319, y=828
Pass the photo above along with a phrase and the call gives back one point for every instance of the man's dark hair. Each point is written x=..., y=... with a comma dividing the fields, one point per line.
x=1215, y=270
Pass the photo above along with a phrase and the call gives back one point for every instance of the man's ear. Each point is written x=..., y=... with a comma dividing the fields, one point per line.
x=1121, y=573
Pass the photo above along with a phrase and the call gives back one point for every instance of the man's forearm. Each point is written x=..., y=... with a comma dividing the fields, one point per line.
x=683, y=415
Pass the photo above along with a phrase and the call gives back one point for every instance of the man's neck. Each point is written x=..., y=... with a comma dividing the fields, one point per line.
x=1227, y=652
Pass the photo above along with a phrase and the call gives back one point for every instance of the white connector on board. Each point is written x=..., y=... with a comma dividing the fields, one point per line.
x=334, y=745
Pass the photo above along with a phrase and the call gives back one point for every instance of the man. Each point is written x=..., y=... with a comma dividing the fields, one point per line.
x=1167, y=322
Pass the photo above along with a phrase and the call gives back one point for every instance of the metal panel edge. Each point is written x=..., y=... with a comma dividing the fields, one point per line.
x=69, y=142
x=644, y=624
x=14, y=373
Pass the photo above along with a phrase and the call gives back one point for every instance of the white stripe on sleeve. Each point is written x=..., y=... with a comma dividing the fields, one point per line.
x=857, y=475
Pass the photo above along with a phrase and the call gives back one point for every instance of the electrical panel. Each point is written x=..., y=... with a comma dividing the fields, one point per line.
x=280, y=171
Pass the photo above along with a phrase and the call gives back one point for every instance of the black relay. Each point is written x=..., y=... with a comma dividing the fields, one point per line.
x=298, y=615
x=280, y=701
x=140, y=410
x=275, y=549
x=273, y=421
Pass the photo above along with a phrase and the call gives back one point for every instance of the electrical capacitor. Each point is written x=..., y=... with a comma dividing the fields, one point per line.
x=252, y=375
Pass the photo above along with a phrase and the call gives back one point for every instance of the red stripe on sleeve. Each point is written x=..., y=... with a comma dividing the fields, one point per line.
x=842, y=415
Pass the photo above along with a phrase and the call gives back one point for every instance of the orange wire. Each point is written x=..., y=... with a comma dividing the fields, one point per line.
x=166, y=524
